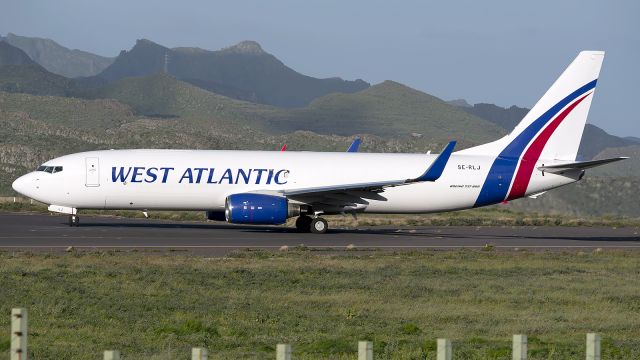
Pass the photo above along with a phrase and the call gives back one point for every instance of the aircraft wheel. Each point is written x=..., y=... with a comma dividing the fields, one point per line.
x=303, y=223
x=74, y=220
x=319, y=226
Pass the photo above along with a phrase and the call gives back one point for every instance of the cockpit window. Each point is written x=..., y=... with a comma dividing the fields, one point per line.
x=49, y=169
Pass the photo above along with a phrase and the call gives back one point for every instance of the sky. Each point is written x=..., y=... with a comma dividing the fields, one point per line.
x=501, y=52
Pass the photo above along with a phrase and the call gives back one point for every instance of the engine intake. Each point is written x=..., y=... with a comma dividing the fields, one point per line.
x=259, y=209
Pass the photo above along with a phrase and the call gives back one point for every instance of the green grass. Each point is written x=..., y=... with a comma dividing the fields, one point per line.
x=157, y=307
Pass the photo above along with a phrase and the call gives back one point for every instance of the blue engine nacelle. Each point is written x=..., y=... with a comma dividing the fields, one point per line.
x=259, y=209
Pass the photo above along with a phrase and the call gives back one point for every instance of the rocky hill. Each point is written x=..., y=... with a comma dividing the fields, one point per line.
x=20, y=74
x=11, y=55
x=59, y=59
x=388, y=110
x=244, y=71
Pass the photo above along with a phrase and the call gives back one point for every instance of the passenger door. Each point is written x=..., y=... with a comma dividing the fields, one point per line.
x=93, y=171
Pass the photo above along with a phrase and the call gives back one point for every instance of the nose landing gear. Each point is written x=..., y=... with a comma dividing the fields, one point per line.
x=315, y=225
x=74, y=220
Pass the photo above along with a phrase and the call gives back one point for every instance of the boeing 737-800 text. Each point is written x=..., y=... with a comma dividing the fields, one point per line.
x=267, y=187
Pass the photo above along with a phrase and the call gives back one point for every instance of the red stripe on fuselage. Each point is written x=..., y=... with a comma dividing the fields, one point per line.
x=531, y=156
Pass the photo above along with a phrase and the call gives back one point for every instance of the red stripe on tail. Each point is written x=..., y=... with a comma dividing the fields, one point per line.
x=531, y=156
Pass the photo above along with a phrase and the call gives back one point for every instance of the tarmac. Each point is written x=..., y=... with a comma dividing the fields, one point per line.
x=50, y=233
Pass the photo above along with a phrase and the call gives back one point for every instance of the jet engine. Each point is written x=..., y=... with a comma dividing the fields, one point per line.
x=259, y=209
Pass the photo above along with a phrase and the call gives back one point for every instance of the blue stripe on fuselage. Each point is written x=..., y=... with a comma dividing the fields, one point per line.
x=496, y=185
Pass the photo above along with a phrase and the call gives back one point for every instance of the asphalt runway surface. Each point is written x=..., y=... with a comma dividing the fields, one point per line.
x=19, y=232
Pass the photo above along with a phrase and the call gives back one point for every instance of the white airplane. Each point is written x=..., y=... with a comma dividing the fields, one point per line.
x=267, y=187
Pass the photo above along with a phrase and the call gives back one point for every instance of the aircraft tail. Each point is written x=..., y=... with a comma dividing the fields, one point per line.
x=551, y=131
x=553, y=127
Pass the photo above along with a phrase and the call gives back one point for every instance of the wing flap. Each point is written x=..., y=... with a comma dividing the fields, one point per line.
x=372, y=186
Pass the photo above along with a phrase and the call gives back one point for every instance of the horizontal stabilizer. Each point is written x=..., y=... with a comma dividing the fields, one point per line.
x=535, y=196
x=580, y=165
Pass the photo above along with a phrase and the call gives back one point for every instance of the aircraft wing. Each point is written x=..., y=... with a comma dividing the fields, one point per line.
x=432, y=173
x=371, y=186
x=580, y=165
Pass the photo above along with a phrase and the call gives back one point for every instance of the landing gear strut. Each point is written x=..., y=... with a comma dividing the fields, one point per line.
x=74, y=220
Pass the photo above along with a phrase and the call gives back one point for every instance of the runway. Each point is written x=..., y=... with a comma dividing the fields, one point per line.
x=51, y=233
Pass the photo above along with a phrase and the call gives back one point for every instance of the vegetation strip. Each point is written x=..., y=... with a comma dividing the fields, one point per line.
x=242, y=305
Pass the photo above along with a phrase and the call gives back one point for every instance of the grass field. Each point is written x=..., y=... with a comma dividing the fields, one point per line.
x=239, y=307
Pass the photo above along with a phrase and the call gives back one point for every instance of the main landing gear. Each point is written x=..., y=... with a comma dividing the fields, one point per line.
x=315, y=225
x=74, y=220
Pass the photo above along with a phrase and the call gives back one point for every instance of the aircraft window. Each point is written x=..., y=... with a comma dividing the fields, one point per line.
x=49, y=169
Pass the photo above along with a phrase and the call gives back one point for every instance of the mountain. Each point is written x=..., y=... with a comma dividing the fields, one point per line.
x=459, y=102
x=20, y=74
x=164, y=96
x=59, y=59
x=33, y=79
x=507, y=118
x=626, y=168
x=244, y=71
x=633, y=138
x=388, y=110
x=594, y=139
x=11, y=55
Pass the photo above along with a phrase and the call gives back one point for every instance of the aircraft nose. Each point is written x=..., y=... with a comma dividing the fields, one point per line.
x=21, y=185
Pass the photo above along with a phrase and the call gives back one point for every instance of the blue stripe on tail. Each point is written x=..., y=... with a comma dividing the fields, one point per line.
x=496, y=185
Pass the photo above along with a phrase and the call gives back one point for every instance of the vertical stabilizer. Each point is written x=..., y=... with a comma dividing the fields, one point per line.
x=551, y=131
x=553, y=127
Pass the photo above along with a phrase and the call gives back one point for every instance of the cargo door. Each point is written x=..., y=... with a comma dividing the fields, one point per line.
x=93, y=172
